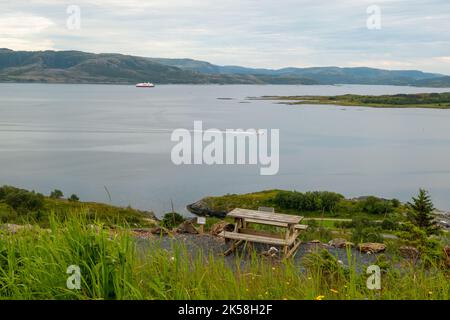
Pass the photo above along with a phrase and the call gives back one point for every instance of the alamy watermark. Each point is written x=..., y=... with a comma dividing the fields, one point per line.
x=374, y=280
x=73, y=21
x=232, y=146
x=373, y=22
x=74, y=280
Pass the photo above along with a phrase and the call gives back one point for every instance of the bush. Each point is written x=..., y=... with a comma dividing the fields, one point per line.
x=365, y=230
x=74, y=198
x=374, y=205
x=21, y=200
x=324, y=263
x=172, y=220
x=389, y=224
x=56, y=194
x=309, y=201
x=430, y=249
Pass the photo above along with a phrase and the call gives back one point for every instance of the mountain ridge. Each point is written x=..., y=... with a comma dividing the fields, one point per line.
x=82, y=67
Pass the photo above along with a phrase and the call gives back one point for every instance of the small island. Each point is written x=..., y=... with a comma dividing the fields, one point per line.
x=419, y=100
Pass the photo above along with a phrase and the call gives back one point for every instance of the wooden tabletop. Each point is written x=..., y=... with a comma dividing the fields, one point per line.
x=264, y=216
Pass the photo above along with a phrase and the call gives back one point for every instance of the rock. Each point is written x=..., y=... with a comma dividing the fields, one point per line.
x=187, y=227
x=201, y=208
x=142, y=233
x=158, y=231
x=272, y=252
x=409, y=252
x=340, y=243
x=371, y=247
x=221, y=226
x=14, y=228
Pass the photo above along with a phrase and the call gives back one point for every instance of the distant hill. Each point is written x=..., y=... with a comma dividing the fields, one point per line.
x=440, y=82
x=82, y=67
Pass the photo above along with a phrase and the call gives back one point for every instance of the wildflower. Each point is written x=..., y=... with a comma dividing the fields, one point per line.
x=267, y=293
x=319, y=298
x=309, y=278
x=287, y=282
x=172, y=258
x=334, y=291
x=273, y=268
x=430, y=292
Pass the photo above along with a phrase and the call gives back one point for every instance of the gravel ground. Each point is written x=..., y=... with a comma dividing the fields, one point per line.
x=214, y=245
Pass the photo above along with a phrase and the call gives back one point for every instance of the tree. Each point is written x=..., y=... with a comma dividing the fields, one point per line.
x=74, y=198
x=421, y=212
x=56, y=194
x=172, y=219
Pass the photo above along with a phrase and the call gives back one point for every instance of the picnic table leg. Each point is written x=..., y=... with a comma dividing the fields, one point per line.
x=294, y=248
x=233, y=247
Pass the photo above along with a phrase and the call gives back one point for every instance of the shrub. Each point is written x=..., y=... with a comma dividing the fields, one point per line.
x=374, y=205
x=365, y=230
x=56, y=194
x=172, y=220
x=389, y=224
x=74, y=198
x=309, y=201
x=23, y=201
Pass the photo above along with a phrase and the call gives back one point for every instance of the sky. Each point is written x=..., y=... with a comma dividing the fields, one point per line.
x=402, y=34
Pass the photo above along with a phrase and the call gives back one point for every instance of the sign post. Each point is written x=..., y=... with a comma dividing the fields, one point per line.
x=201, y=221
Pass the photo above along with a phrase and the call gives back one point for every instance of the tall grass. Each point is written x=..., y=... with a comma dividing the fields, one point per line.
x=33, y=264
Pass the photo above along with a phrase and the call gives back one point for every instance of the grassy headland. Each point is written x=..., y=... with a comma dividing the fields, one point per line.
x=21, y=206
x=34, y=261
x=419, y=100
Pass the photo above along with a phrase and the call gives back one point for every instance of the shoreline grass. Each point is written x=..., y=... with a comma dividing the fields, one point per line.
x=419, y=100
x=33, y=264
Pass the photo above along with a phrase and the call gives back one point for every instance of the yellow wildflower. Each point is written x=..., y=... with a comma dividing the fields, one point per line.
x=319, y=298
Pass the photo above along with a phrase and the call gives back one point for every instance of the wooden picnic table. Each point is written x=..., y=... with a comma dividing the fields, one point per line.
x=243, y=232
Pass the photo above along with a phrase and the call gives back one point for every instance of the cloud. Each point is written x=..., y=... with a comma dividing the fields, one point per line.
x=256, y=33
x=22, y=24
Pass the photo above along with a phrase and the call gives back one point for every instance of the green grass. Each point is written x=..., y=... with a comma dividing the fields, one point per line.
x=346, y=208
x=108, y=214
x=420, y=100
x=33, y=265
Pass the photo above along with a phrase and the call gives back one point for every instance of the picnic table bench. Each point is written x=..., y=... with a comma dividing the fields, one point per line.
x=243, y=232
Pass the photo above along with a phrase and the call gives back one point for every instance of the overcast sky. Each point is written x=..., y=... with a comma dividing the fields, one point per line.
x=414, y=34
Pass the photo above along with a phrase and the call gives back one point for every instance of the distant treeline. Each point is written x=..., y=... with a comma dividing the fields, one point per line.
x=401, y=99
x=308, y=201
x=330, y=201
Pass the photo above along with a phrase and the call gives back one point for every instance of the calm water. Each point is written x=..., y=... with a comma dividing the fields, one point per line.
x=80, y=138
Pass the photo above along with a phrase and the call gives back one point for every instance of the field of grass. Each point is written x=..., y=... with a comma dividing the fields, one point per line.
x=33, y=265
x=18, y=212
x=346, y=208
x=420, y=100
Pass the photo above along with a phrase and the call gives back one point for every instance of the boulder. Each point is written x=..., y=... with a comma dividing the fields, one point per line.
x=409, y=252
x=371, y=247
x=201, y=208
x=221, y=226
x=340, y=243
x=272, y=252
x=159, y=231
x=187, y=227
